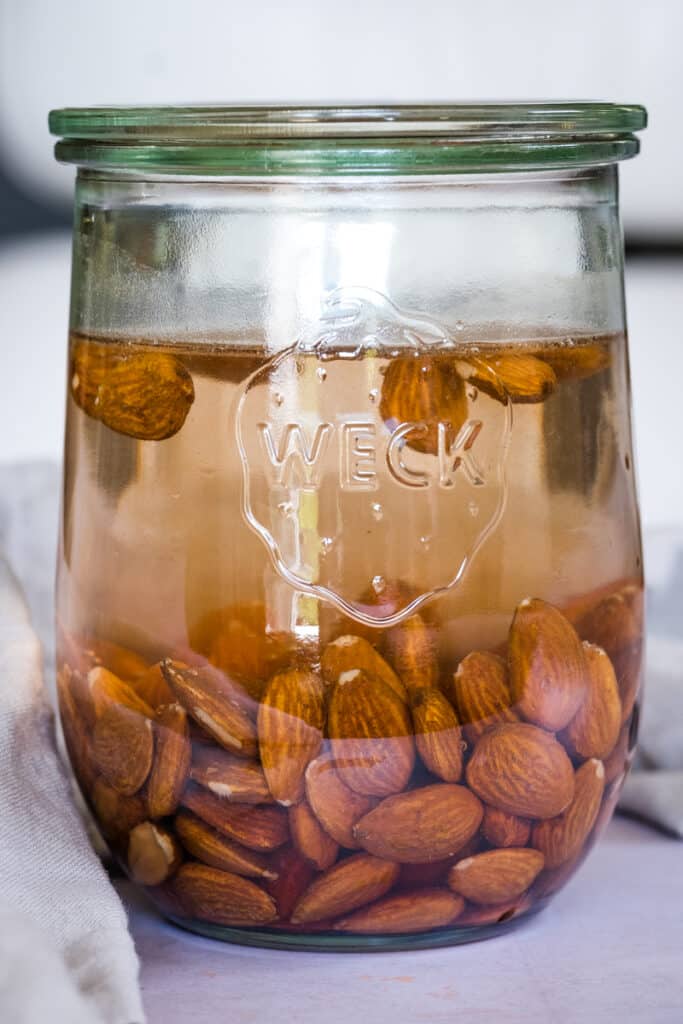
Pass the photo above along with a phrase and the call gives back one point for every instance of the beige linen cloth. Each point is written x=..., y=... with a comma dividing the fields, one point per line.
x=66, y=956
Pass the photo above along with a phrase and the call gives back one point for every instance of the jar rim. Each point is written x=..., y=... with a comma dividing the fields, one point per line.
x=347, y=139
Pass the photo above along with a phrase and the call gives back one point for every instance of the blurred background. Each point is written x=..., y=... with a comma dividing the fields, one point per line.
x=71, y=53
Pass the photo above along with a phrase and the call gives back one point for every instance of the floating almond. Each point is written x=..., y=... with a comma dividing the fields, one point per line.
x=153, y=853
x=495, y=876
x=481, y=693
x=419, y=389
x=578, y=360
x=123, y=748
x=416, y=911
x=354, y=652
x=422, y=825
x=412, y=650
x=210, y=699
x=290, y=723
x=594, y=729
x=437, y=734
x=358, y=880
x=547, y=665
x=522, y=770
x=335, y=805
x=521, y=377
x=222, y=897
x=233, y=778
x=561, y=838
x=502, y=829
x=171, y=764
x=211, y=847
x=262, y=828
x=310, y=838
x=142, y=394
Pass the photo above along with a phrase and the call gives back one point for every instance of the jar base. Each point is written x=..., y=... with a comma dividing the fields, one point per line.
x=334, y=942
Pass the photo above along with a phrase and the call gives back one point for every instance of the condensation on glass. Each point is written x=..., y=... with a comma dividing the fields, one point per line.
x=350, y=600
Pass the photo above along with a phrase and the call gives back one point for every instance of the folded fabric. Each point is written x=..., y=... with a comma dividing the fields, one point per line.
x=66, y=955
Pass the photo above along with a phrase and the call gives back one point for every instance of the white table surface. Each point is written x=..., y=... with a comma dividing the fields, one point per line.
x=608, y=950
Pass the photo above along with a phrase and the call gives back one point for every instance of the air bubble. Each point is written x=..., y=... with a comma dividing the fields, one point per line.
x=373, y=394
x=472, y=392
x=377, y=510
x=285, y=509
x=459, y=325
x=321, y=374
x=473, y=509
x=326, y=544
x=379, y=584
x=278, y=398
x=425, y=542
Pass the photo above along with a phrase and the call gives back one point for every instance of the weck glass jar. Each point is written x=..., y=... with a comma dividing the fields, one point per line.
x=350, y=586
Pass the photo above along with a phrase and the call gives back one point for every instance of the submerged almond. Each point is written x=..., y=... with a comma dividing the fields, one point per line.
x=290, y=724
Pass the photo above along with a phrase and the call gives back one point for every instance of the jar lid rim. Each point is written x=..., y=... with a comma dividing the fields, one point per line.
x=347, y=138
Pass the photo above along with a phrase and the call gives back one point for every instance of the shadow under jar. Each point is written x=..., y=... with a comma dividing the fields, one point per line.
x=350, y=604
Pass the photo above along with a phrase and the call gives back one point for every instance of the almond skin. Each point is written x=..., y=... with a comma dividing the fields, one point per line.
x=521, y=378
x=153, y=853
x=222, y=897
x=336, y=807
x=416, y=911
x=561, y=838
x=123, y=748
x=262, y=828
x=355, y=652
x=230, y=777
x=345, y=887
x=594, y=729
x=502, y=829
x=437, y=734
x=521, y=769
x=290, y=724
x=412, y=650
x=371, y=732
x=481, y=694
x=422, y=825
x=171, y=764
x=106, y=689
x=418, y=389
x=212, y=702
x=294, y=874
x=116, y=815
x=547, y=665
x=495, y=876
x=310, y=838
x=146, y=395
x=615, y=624
x=210, y=847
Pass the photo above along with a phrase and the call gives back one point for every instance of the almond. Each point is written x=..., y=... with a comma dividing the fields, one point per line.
x=594, y=729
x=619, y=760
x=371, y=734
x=74, y=719
x=521, y=769
x=615, y=625
x=419, y=389
x=210, y=699
x=142, y=394
x=290, y=724
x=153, y=689
x=412, y=649
x=437, y=734
x=358, y=880
x=354, y=652
x=121, y=661
x=561, y=838
x=502, y=829
x=520, y=377
x=547, y=665
x=294, y=874
x=477, y=916
x=123, y=748
x=210, y=847
x=481, y=693
x=577, y=361
x=262, y=828
x=153, y=853
x=310, y=838
x=422, y=825
x=495, y=876
x=230, y=777
x=416, y=911
x=336, y=807
x=171, y=764
x=106, y=689
x=116, y=815
x=222, y=897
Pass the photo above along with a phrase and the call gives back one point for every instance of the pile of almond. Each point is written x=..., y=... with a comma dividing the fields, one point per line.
x=369, y=788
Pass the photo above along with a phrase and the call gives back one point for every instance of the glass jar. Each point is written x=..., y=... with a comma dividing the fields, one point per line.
x=350, y=586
